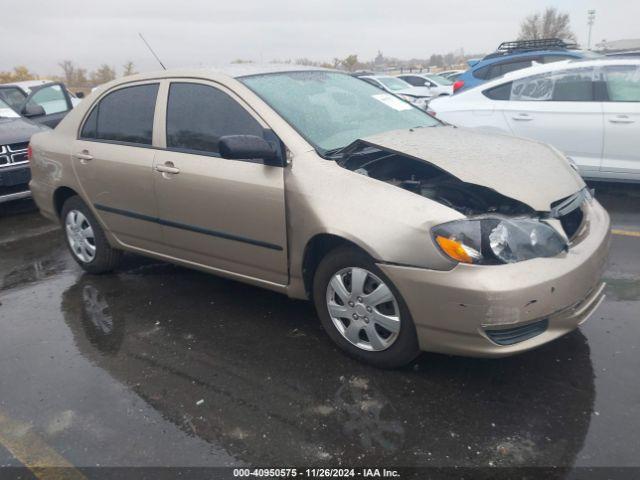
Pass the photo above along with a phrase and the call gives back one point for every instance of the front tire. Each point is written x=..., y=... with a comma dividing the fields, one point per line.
x=362, y=311
x=86, y=239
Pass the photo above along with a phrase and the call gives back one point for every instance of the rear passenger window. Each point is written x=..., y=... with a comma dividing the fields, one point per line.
x=125, y=115
x=502, y=68
x=482, y=72
x=198, y=115
x=574, y=85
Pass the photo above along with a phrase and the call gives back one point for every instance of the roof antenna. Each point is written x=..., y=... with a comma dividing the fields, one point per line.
x=152, y=52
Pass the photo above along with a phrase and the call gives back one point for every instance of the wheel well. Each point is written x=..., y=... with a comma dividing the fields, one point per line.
x=317, y=248
x=60, y=196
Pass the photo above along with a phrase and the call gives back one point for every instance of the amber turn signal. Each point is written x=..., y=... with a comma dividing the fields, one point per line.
x=454, y=249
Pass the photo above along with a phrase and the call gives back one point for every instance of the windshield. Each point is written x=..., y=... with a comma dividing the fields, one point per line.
x=6, y=111
x=439, y=79
x=394, y=84
x=331, y=110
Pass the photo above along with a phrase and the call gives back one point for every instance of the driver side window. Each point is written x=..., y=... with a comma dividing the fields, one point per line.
x=574, y=85
x=52, y=99
x=198, y=115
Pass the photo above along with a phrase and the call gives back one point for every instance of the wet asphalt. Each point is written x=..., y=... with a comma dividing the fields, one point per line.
x=158, y=365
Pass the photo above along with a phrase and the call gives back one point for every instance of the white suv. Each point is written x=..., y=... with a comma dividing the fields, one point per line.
x=589, y=109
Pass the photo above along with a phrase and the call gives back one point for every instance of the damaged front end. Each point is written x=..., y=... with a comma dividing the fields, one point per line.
x=498, y=229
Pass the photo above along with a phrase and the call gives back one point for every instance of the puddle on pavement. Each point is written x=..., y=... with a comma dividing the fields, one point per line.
x=218, y=359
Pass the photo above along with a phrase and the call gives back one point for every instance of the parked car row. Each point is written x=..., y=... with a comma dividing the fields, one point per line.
x=588, y=109
x=516, y=55
x=26, y=108
x=419, y=96
x=417, y=88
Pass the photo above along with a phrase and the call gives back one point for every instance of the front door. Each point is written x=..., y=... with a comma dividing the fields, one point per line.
x=51, y=102
x=560, y=108
x=113, y=160
x=224, y=214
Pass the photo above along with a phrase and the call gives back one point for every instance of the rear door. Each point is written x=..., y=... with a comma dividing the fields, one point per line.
x=47, y=104
x=113, y=160
x=222, y=213
x=622, y=120
x=559, y=108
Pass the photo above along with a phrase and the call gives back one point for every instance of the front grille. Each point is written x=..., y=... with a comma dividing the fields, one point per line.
x=16, y=147
x=510, y=336
x=13, y=154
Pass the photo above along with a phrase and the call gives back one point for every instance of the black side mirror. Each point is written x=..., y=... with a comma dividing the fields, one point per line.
x=80, y=94
x=241, y=147
x=33, y=110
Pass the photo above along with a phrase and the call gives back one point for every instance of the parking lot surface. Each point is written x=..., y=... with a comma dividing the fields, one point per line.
x=159, y=365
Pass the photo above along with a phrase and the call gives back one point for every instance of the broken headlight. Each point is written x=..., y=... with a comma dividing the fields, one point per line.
x=488, y=241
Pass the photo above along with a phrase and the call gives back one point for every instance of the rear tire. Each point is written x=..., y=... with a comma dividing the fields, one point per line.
x=86, y=239
x=370, y=322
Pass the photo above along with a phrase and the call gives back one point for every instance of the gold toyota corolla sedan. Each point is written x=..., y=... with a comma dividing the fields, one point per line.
x=407, y=234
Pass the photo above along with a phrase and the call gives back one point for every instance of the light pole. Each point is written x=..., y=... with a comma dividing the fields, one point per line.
x=591, y=16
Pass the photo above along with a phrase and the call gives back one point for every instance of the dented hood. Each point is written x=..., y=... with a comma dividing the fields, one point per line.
x=525, y=170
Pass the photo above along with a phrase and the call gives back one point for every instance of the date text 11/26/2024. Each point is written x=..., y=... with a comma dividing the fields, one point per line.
x=316, y=472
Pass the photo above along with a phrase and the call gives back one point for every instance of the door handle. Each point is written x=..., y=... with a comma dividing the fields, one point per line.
x=83, y=156
x=523, y=117
x=167, y=168
x=621, y=119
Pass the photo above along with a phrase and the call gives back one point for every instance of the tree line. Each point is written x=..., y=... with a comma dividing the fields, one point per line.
x=73, y=75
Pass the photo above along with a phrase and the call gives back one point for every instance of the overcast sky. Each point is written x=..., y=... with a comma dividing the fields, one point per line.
x=40, y=34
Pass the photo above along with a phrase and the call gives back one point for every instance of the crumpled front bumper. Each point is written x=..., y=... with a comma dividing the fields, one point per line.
x=454, y=310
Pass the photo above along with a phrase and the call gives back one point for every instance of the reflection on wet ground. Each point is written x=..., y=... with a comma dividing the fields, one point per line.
x=275, y=389
x=159, y=365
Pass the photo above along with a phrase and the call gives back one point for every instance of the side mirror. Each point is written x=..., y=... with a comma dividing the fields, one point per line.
x=80, y=94
x=238, y=147
x=33, y=110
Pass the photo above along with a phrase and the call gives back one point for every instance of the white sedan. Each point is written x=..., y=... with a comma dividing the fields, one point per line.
x=590, y=110
x=436, y=84
x=418, y=96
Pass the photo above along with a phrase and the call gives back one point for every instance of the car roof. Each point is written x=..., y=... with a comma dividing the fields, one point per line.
x=529, y=53
x=539, y=68
x=246, y=69
x=219, y=73
x=26, y=83
x=229, y=71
